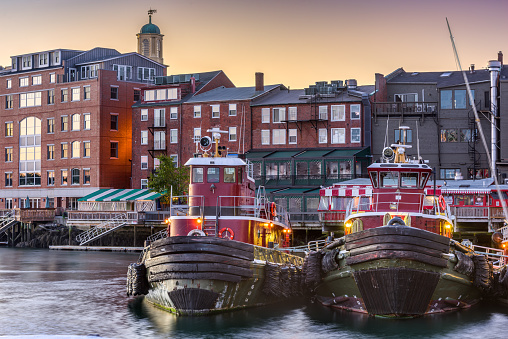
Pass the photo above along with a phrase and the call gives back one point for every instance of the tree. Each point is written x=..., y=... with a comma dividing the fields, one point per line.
x=168, y=175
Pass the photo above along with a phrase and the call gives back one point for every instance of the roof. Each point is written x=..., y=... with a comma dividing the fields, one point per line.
x=308, y=153
x=297, y=96
x=150, y=28
x=121, y=195
x=441, y=79
x=228, y=94
x=215, y=161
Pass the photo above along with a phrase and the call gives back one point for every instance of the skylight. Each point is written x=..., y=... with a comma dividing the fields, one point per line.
x=446, y=74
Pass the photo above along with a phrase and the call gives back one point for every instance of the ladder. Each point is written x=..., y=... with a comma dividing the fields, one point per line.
x=209, y=227
x=102, y=229
x=7, y=221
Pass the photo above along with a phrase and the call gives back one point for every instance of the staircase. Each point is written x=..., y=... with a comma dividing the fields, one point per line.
x=209, y=227
x=101, y=230
x=7, y=221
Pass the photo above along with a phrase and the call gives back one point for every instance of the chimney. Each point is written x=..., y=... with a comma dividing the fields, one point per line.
x=500, y=57
x=260, y=82
x=193, y=84
x=471, y=69
x=351, y=83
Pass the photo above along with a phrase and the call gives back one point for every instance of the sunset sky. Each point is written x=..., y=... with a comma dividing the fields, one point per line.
x=293, y=42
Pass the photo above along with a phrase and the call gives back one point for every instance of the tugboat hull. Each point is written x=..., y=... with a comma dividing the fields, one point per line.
x=202, y=275
x=397, y=271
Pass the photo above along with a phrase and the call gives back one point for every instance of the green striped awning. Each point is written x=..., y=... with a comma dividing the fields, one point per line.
x=121, y=195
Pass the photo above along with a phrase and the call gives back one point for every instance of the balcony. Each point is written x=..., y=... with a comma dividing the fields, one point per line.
x=403, y=109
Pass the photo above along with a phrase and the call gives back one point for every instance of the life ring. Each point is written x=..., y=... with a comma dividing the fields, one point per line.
x=273, y=209
x=442, y=203
x=196, y=233
x=227, y=233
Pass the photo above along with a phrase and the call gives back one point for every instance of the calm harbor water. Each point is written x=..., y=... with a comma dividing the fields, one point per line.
x=79, y=294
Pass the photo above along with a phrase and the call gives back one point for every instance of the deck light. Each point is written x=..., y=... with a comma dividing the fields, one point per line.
x=198, y=220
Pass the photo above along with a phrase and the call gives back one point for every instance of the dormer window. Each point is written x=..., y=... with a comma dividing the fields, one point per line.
x=56, y=57
x=44, y=60
x=14, y=64
x=26, y=62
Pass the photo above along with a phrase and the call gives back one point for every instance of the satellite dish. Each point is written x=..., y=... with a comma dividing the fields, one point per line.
x=388, y=153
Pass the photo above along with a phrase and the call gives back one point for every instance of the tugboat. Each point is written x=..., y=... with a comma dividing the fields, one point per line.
x=397, y=258
x=222, y=250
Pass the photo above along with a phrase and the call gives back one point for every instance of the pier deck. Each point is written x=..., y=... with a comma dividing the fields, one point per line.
x=96, y=248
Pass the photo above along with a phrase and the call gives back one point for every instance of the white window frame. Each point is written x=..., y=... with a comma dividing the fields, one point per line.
x=144, y=137
x=338, y=113
x=174, y=157
x=26, y=62
x=144, y=183
x=89, y=175
x=89, y=92
x=36, y=80
x=338, y=136
x=293, y=134
x=281, y=114
x=323, y=136
x=197, y=111
x=9, y=83
x=232, y=134
x=159, y=117
x=359, y=135
x=144, y=114
x=293, y=113
x=265, y=115
x=73, y=121
x=89, y=148
x=215, y=111
x=278, y=136
x=359, y=111
x=87, y=123
x=23, y=82
x=173, y=136
x=323, y=112
x=265, y=135
x=47, y=177
x=173, y=113
x=144, y=162
x=197, y=136
x=52, y=78
x=159, y=140
x=149, y=95
x=232, y=110
x=44, y=57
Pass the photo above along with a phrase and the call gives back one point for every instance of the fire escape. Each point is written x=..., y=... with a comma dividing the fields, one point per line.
x=158, y=131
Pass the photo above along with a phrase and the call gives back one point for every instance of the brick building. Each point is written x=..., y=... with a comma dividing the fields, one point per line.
x=65, y=119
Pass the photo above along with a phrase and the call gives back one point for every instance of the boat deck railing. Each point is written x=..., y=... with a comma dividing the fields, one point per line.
x=496, y=256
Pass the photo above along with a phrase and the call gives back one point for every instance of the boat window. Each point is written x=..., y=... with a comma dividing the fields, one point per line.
x=373, y=179
x=495, y=196
x=229, y=174
x=197, y=174
x=425, y=177
x=323, y=203
x=339, y=203
x=479, y=200
x=389, y=179
x=212, y=174
x=409, y=179
x=428, y=202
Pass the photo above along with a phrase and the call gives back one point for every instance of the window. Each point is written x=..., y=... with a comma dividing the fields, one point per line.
x=86, y=93
x=8, y=154
x=51, y=178
x=449, y=135
x=292, y=113
x=23, y=82
x=355, y=112
x=144, y=137
x=232, y=133
x=265, y=115
x=215, y=111
x=65, y=95
x=197, y=134
x=446, y=99
x=56, y=57
x=51, y=97
x=159, y=140
x=229, y=174
x=197, y=111
x=51, y=152
x=161, y=94
x=323, y=139
x=113, y=149
x=409, y=180
x=123, y=72
x=398, y=136
x=144, y=162
x=9, y=103
x=338, y=135
x=137, y=95
x=76, y=122
x=114, y=122
x=265, y=137
x=86, y=176
x=174, y=158
x=76, y=147
x=213, y=174
x=114, y=93
x=292, y=136
x=30, y=152
x=44, y=59
x=30, y=99
x=64, y=123
x=159, y=117
x=64, y=150
x=173, y=93
x=86, y=149
x=9, y=83
x=145, y=73
x=279, y=136
x=8, y=203
x=144, y=114
x=150, y=95
x=338, y=113
x=86, y=121
x=355, y=135
x=144, y=184
x=459, y=101
x=232, y=110
x=197, y=174
x=36, y=79
x=52, y=78
x=173, y=113
x=323, y=112
x=466, y=135
x=389, y=179
x=26, y=62
x=8, y=179
x=75, y=176
x=63, y=176
x=448, y=173
x=173, y=136
x=279, y=114
x=9, y=129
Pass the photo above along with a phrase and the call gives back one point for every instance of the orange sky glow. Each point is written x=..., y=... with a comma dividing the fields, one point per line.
x=293, y=42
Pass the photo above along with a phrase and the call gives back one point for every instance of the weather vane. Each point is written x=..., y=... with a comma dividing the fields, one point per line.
x=151, y=11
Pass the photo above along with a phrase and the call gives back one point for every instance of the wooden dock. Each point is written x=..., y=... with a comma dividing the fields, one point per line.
x=96, y=248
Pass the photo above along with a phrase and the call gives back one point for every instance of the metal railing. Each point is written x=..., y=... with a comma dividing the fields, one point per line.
x=8, y=220
x=101, y=230
x=494, y=255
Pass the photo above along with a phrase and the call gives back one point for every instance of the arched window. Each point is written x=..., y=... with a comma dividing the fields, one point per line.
x=76, y=119
x=75, y=149
x=30, y=152
x=145, y=47
x=158, y=48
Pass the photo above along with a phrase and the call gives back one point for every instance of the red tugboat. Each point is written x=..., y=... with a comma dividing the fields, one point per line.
x=221, y=252
x=397, y=258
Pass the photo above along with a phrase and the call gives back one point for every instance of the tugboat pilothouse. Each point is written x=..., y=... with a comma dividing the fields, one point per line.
x=221, y=252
